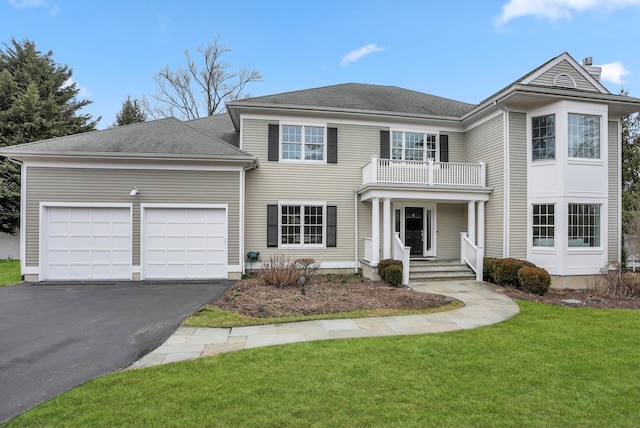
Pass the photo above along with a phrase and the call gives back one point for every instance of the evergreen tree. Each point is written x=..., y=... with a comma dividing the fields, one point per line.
x=38, y=100
x=131, y=112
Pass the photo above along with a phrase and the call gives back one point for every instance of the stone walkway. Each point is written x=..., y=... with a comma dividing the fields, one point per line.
x=485, y=304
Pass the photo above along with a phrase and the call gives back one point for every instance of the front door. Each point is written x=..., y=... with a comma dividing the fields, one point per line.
x=413, y=229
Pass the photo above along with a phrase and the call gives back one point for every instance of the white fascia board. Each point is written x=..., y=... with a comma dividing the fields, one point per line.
x=111, y=164
x=440, y=194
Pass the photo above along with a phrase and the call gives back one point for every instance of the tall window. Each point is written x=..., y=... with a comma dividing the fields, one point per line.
x=303, y=143
x=584, y=136
x=302, y=225
x=543, y=225
x=414, y=146
x=543, y=140
x=584, y=225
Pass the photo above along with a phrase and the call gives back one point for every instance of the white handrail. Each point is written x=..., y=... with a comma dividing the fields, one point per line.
x=402, y=253
x=471, y=255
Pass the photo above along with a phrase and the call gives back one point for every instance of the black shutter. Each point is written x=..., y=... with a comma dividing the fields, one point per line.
x=332, y=145
x=444, y=148
x=332, y=220
x=274, y=142
x=385, y=141
x=272, y=225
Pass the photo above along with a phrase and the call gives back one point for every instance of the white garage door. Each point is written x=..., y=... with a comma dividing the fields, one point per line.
x=184, y=243
x=87, y=243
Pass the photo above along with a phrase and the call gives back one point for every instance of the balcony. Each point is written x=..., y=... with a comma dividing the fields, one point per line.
x=429, y=173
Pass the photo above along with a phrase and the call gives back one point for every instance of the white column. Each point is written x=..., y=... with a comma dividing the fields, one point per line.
x=375, y=231
x=480, y=224
x=471, y=221
x=386, y=228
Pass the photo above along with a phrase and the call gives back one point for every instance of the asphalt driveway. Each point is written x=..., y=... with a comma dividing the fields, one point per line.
x=55, y=337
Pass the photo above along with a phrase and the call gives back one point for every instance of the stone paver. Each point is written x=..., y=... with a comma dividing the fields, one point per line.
x=485, y=304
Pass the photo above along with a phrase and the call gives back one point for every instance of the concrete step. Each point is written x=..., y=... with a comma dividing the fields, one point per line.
x=439, y=271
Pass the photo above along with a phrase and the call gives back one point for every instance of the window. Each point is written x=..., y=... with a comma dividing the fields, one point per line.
x=413, y=146
x=543, y=225
x=303, y=143
x=302, y=225
x=543, y=142
x=584, y=136
x=584, y=225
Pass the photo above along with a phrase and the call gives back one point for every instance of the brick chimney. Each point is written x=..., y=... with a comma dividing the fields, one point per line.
x=595, y=72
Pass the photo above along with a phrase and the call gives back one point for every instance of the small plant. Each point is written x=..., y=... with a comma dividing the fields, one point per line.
x=307, y=266
x=615, y=282
x=534, y=280
x=393, y=275
x=506, y=271
x=487, y=269
x=386, y=263
x=279, y=271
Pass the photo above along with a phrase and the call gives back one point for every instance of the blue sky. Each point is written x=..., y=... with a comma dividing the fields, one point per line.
x=460, y=49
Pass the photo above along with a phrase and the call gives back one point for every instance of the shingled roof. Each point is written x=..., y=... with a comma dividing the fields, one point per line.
x=164, y=138
x=219, y=126
x=362, y=97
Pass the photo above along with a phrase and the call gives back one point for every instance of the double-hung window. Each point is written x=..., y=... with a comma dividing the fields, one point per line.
x=301, y=142
x=413, y=146
x=543, y=222
x=302, y=225
x=584, y=225
x=584, y=136
x=543, y=133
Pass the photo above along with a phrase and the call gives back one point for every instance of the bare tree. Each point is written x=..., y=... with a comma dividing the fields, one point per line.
x=201, y=87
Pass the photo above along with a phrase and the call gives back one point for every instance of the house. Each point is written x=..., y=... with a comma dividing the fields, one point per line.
x=347, y=174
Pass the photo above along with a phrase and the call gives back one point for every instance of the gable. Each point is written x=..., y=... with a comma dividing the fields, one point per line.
x=563, y=74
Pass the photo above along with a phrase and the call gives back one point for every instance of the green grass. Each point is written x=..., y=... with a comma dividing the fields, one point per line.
x=213, y=317
x=547, y=367
x=9, y=272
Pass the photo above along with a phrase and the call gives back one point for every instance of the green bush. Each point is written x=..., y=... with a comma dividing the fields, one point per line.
x=384, y=264
x=393, y=275
x=534, y=280
x=487, y=269
x=506, y=271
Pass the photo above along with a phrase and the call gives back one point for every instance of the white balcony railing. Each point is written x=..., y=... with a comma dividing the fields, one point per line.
x=423, y=172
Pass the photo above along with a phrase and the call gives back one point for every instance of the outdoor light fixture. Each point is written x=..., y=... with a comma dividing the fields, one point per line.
x=133, y=191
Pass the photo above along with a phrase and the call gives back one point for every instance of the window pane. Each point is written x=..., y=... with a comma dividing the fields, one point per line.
x=543, y=141
x=584, y=136
x=543, y=225
x=584, y=225
x=291, y=134
x=313, y=225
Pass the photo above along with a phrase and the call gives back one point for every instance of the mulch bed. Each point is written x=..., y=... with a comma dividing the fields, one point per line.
x=322, y=296
x=333, y=294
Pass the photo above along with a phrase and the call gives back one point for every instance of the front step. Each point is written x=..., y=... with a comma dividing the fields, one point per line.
x=439, y=270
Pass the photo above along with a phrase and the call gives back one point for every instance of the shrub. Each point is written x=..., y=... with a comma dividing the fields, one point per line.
x=534, y=280
x=384, y=264
x=279, y=271
x=487, y=269
x=615, y=282
x=506, y=271
x=307, y=266
x=393, y=275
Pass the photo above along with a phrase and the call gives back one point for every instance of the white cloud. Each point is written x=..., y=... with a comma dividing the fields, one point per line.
x=614, y=72
x=359, y=53
x=54, y=9
x=84, y=92
x=556, y=9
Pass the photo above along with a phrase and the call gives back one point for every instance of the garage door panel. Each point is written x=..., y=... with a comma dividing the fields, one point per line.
x=85, y=243
x=185, y=243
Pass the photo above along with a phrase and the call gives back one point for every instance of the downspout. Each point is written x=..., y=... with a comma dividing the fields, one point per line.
x=621, y=237
x=355, y=205
x=506, y=227
x=23, y=225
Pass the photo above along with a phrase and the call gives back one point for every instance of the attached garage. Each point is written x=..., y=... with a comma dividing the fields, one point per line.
x=86, y=242
x=184, y=242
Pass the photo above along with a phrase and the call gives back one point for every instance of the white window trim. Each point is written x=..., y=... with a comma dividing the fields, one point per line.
x=322, y=125
x=583, y=160
x=603, y=221
x=414, y=131
x=303, y=204
x=544, y=248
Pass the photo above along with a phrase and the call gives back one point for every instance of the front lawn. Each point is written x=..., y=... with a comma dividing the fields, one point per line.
x=9, y=272
x=548, y=366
